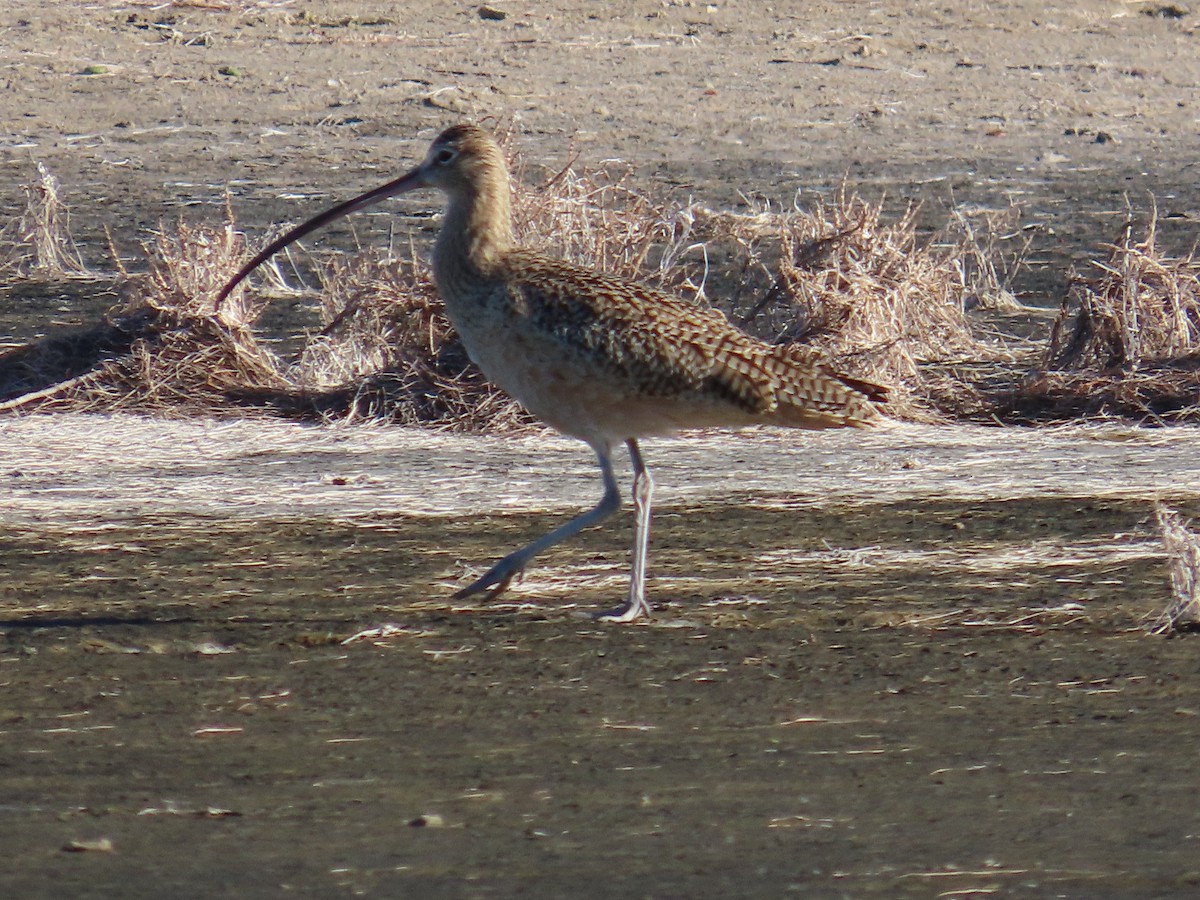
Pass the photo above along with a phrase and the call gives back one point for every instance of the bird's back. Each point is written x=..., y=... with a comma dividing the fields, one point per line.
x=596, y=355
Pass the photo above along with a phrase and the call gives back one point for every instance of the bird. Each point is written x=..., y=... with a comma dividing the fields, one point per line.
x=600, y=358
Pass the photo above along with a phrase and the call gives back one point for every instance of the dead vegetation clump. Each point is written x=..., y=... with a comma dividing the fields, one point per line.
x=860, y=294
x=167, y=348
x=1142, y=308
x=387, y=350
x=854, y=290
x=1126, y=341
x=988, y=248
x=865, y=294
x=1183, y=564
x=38, y=244
x=195, y=353
x=857, y=291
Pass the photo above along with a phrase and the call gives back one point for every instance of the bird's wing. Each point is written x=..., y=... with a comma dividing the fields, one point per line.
x=661, y=345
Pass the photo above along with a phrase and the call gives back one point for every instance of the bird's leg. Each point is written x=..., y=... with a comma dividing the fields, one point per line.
x=498, y=577
x=643, y=492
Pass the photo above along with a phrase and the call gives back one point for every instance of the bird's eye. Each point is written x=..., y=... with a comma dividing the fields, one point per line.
x=444, y=156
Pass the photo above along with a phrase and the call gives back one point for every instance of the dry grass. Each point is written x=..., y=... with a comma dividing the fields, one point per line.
x=1140, y=308
x=837, y=278
x=194, y=354
x=1126, y=341
x=38, y=244
x=1162, y=395
x=855, y=289
x=987, y=248
x=166, y=348
x=863, y=292
x=1183, y=563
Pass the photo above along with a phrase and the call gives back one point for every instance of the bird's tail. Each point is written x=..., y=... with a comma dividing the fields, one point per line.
x=818, y=396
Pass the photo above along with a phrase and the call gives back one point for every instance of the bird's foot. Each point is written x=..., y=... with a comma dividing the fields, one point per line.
x=492, y=583
x=627, y=612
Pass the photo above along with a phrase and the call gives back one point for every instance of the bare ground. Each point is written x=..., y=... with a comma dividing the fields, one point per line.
x=896, y=664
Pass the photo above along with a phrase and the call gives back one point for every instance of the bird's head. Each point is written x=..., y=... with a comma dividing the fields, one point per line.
x=463, y=158
x=464, y=162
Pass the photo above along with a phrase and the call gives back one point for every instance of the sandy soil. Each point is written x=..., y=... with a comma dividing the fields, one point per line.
x=907, y=664
x=879, y=665
x=895, y=664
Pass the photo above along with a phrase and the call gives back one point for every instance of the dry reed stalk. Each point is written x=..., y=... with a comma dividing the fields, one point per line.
x=1126, y=341
x=38, y=244
x=1183, y=563
x=1141, y=308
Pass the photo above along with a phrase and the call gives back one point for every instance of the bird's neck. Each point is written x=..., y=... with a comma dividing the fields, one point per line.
x=475, y=234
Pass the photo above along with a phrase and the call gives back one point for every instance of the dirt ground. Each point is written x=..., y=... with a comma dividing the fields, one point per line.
x=910, y=663
x=907, y=664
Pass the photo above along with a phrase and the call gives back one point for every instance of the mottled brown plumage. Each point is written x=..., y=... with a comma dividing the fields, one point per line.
x=655, y=347
x=598, y=357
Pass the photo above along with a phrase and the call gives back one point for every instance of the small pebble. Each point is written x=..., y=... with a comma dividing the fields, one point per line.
x=429, y=820
x=98, y=845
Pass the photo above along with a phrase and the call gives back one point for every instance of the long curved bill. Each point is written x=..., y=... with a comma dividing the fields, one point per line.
x=413, y=180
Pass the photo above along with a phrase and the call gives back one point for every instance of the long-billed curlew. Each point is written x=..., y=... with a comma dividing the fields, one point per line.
x=597, y=357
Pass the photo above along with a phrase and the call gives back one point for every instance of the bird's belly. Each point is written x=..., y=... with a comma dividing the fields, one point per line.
x=560, y=389
x=586, y=400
